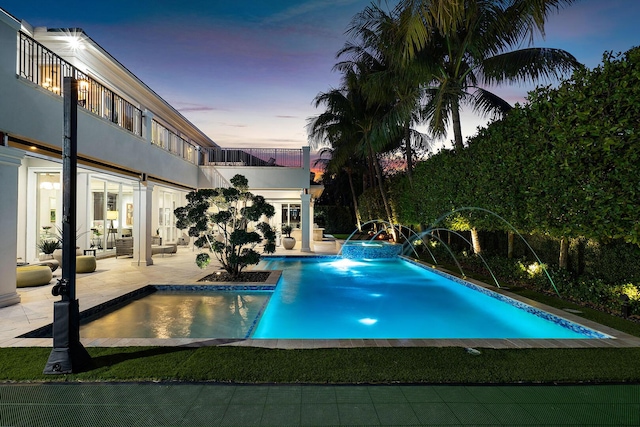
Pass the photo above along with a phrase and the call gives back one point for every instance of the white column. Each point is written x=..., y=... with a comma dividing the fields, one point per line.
x=83, y=225
x=311, y=226
x=307, y=223
x=142, y=203
x=10, y=160
x=147, y=119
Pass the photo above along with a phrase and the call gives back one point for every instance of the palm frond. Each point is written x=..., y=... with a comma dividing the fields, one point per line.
x=527, y=65
x=486, y=103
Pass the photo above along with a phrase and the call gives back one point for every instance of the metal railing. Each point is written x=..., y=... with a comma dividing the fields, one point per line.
x=39, y=65
x=285, y=157
x=172, y=142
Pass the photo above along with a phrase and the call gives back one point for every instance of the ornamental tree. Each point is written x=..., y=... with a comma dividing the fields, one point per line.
x=220, y=219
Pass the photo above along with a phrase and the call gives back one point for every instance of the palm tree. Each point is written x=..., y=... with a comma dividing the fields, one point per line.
x=334, y=164
x=392, y=81
x=468, y=45
x=352, y=123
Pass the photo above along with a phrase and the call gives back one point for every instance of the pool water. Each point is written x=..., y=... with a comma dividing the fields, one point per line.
x=334, y=298
x=200, y=314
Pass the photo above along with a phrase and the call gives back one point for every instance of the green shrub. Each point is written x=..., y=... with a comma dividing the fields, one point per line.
x=335, y=219
x=220, y=219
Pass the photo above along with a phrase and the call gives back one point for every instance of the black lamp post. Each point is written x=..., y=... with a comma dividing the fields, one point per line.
x=68, y=354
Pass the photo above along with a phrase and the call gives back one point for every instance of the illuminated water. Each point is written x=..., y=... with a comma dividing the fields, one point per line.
x=181, y=315
x=340, y=298
x=336, y=298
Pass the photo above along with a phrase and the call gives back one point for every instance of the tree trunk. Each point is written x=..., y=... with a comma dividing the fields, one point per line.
x=581, y=256
x=510, y=244
x=475, y=240
x=382, y=191
x=372, y=171
x=355, y=199
x=457, y=127
x=408, y=151
x=564, y=253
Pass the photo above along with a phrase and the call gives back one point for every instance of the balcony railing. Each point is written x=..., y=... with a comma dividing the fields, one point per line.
x=172, y=142
x=46, y=69
x=43, y=67
x=286, y=157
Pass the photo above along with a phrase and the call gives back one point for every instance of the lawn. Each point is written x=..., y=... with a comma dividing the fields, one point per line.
x=335, y=366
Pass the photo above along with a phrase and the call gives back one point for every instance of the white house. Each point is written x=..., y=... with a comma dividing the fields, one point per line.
x=137, y=156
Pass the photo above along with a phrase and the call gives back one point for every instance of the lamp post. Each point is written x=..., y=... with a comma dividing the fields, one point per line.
x=68, y=355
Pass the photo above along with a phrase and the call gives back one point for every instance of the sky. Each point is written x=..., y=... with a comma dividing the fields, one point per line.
x=246, y=72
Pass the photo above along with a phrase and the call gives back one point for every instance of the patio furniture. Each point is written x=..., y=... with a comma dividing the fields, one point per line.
x=33, y=275
x=124, y=247
x=164, y=249
x=85, y=264
x=51, y=263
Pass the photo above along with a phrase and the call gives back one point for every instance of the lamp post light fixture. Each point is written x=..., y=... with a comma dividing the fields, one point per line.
x=83, y=91
x=68, y=355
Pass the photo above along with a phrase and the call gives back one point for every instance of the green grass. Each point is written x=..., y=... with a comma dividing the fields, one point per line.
x=335, y=366
x=341, y=236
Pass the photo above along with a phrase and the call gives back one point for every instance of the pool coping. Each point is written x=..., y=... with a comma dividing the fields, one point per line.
x=618, y=339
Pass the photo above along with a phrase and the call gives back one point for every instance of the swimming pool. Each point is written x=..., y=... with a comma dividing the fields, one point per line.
x=336, y=298
x=178, y=314
x=332, y=297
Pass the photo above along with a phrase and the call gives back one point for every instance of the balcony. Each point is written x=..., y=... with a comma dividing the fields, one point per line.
x=41, y=66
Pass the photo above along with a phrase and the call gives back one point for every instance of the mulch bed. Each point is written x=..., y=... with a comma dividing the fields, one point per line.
x=246, y=276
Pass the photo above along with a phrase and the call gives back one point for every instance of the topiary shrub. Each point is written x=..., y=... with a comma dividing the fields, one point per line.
x=220, y=218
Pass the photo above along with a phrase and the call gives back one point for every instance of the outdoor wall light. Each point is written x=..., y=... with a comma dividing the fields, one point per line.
x=83, y=89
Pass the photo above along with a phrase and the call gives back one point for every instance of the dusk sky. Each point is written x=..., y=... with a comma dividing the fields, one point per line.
x=246, y=71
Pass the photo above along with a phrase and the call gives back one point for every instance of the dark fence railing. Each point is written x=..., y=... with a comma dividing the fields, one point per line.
x=285, y=157
x=43, y=67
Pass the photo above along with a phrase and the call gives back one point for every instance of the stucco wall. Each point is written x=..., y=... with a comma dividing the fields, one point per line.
x=30, y=112
x=259, y=177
